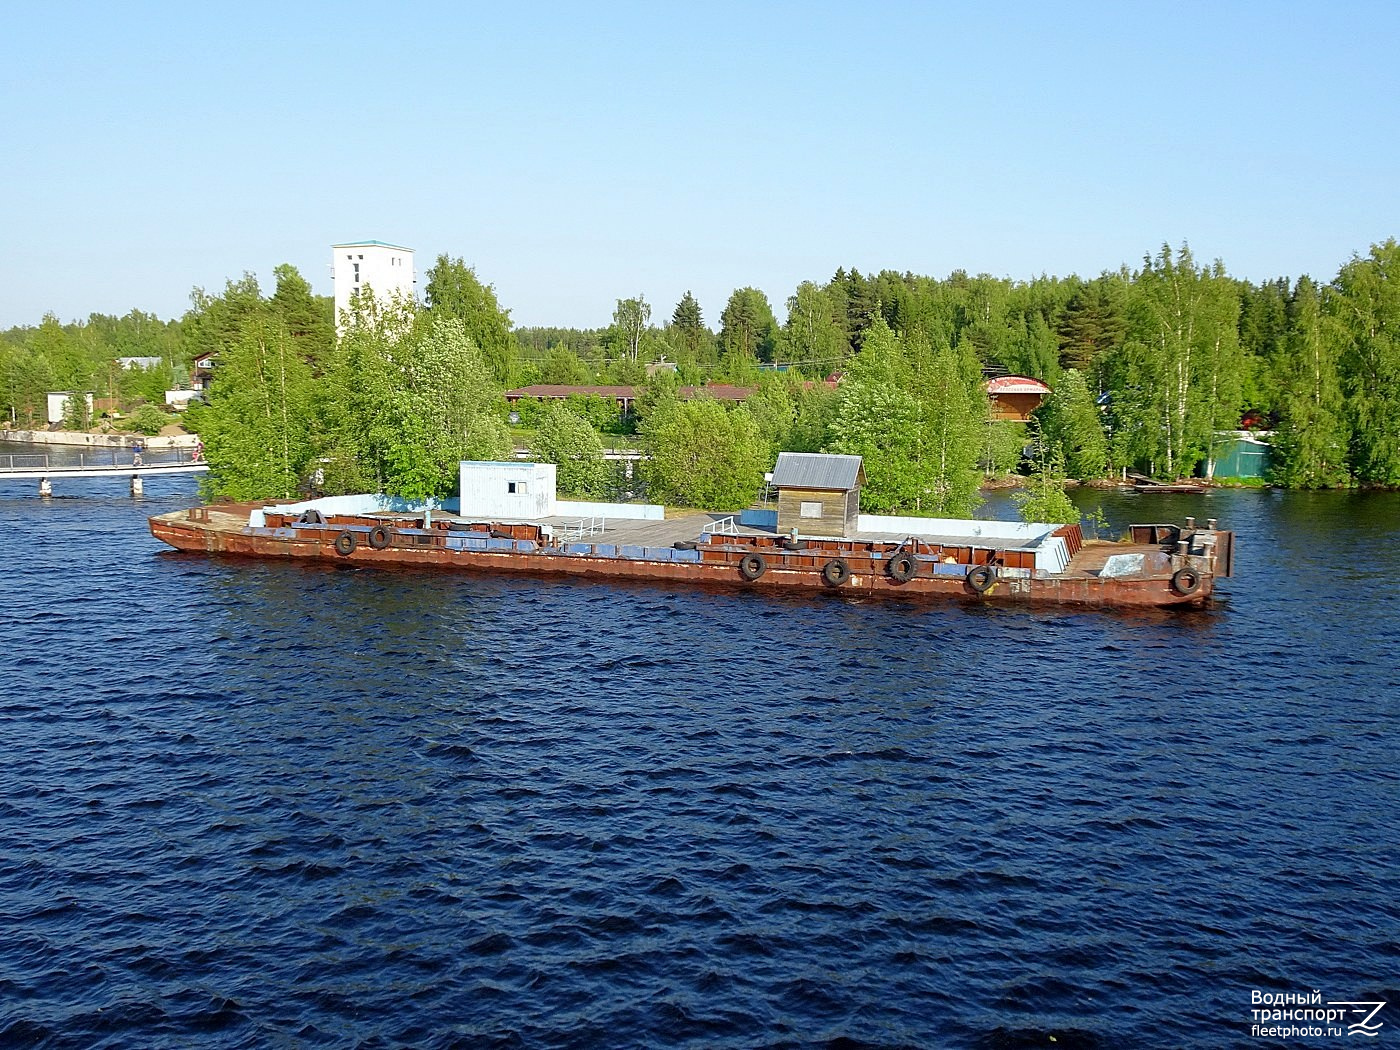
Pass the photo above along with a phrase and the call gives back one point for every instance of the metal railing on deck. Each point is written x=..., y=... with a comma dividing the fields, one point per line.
x=576, y=530
x=723, y=527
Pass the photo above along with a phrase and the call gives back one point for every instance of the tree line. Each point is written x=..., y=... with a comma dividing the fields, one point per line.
x=1148, y=367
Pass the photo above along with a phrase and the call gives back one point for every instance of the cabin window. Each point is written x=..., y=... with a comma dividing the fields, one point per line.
x=811, y=509
x=516, y=488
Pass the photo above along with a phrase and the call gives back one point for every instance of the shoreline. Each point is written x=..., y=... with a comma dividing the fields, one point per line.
x=81, y=439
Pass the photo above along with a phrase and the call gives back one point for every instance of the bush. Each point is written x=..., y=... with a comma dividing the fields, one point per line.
x=149, y=420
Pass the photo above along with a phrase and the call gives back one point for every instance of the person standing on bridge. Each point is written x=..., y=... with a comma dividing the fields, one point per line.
x=136, y=451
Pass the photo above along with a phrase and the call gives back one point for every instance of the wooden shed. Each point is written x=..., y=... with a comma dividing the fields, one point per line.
x=818, y=495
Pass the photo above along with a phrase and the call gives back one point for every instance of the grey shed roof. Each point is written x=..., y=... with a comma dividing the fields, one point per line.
x=814, y=470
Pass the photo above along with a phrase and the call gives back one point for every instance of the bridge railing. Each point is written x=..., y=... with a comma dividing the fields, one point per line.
x=24, y=461
x=96, y=459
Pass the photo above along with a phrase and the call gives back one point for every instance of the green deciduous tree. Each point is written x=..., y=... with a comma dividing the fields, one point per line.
x=454, y=291
x=955, y=413
x=24, y=378
x=1071, y=429
x=1178, y=377
x=916, y=419
x=813, y=337
x=702, y=455
x=1003, y=443
x=1033, y=350
x=882, y=423
x=1043, y=499
x=1312, y=438
x=569, y=441
x=631, y=321
x=772, y=409
x=256, y=427
x=70, y=367
x=404, y=399
x=1366, y=306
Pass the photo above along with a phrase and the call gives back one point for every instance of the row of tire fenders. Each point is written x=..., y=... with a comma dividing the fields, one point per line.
x=901, y=567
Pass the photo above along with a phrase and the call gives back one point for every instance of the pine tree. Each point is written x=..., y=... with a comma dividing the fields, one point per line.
x=454, y=291
x=310, y=319
x=748, y=329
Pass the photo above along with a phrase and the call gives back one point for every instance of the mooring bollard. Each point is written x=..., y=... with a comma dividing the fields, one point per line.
x=45, y=487
x=136, y=484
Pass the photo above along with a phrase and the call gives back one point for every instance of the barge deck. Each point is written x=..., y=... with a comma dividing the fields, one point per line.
x=1159, y=565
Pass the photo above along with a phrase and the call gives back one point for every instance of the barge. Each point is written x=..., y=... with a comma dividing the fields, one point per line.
x=839, y=550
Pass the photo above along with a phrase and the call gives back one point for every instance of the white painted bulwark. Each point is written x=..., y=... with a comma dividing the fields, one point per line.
x=507, y=491
x=971, y=529
x=566, y=508
x=385, y=268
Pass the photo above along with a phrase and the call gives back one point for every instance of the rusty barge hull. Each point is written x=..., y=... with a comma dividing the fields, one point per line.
x=723, y=561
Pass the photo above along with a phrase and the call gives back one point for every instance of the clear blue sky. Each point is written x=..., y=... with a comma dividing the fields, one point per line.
x=575, y=154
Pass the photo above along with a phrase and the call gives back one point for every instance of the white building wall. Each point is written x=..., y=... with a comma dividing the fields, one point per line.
x=386, y=268
x=58, y=404
x=506, y=491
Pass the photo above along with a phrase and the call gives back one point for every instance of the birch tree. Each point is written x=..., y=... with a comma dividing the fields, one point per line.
x=256, y=427
x=1310, y=443
x=1366, y=306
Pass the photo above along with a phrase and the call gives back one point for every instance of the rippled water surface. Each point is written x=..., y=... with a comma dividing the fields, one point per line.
x=249, y=804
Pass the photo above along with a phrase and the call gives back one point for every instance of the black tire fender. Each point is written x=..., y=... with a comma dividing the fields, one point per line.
x=1186, y=581
x=345, y=543
x=981, y=577
x=902, y=568
x=380, y=537
x=836, y=572
x=752, y=566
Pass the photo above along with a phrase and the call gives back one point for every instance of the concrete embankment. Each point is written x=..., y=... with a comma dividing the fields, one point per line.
x=70, y=437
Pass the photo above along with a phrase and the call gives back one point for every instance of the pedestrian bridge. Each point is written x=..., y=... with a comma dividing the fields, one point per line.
x=106, y=463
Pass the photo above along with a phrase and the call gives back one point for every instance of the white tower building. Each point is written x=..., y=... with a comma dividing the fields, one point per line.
x=386, y=268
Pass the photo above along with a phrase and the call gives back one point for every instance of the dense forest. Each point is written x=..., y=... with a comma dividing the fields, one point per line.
x=1148, y=366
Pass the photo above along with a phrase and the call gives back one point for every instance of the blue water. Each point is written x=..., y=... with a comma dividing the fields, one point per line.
x=248, y=804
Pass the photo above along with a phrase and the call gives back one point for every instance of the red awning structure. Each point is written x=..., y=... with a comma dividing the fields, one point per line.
x=1014, y=398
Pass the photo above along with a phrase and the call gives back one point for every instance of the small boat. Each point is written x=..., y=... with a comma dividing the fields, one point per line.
x=1193, y=488
x=838, y=550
